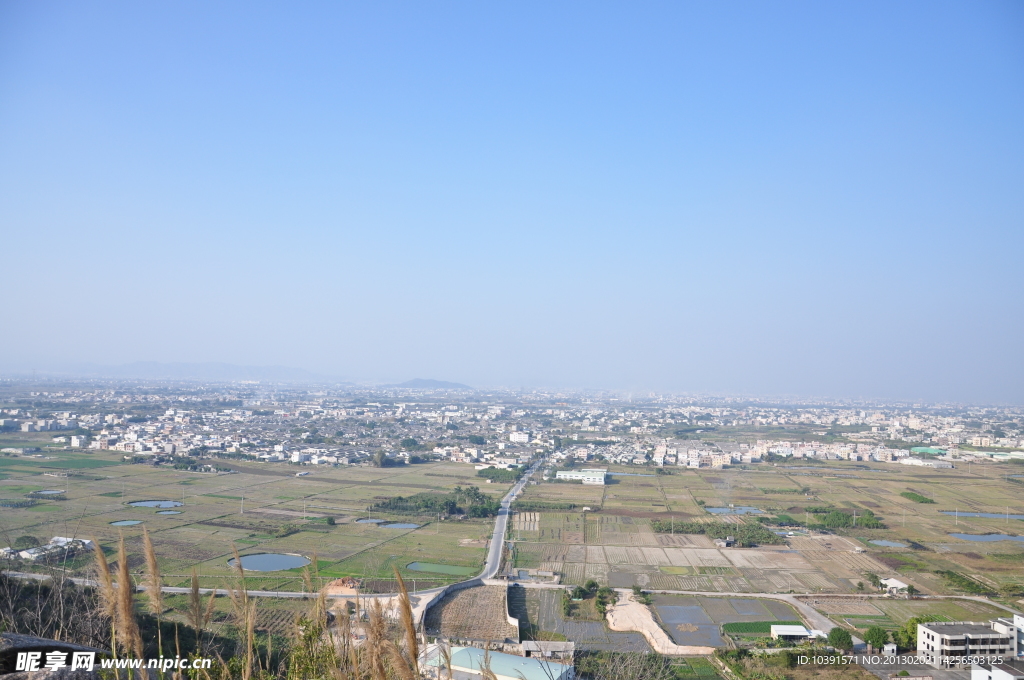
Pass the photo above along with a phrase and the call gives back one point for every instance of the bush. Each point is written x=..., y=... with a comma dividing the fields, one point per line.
x=783, y=659
x=500, y=474
x=961, y=582
x=606, y=597
x=747, y=535
x=26, y=542
x=840, y=638
x=916, y=497
x=876, y=636
x=469, y=500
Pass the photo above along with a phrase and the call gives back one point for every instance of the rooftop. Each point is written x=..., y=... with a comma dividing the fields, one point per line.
x=505, y=665
x=956, y=628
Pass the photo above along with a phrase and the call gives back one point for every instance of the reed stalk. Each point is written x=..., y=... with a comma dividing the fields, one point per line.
x=154, y=588
x=127, y=623
x=408, y=624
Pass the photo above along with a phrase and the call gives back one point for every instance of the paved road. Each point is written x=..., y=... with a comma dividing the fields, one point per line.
x=493, y=562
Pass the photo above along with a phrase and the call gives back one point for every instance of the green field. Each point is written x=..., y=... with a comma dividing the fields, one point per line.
x=758, y=628
x=282, y=513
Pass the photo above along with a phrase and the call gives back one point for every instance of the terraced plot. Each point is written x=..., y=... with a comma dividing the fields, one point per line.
x=472, y=614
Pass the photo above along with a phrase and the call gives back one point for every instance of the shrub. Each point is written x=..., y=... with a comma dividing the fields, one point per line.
x=876, y=636
x=840, y=638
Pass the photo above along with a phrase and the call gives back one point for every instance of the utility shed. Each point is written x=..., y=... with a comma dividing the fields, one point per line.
x=790, y=633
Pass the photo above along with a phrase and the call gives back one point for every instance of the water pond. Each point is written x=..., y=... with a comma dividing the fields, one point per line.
x=156, y=504
x=48, y=492
x=399, y=525
x=370, y=521
x=690, y=625
x=441, y=568
x=887, y=544
x=271, y=562
x=126, y=522
x=169, y=512
x=987, y=515
x=737, y=510
x=987, y=538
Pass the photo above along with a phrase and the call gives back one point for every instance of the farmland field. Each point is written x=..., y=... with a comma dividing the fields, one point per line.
x=261, y=508
x=615, y=542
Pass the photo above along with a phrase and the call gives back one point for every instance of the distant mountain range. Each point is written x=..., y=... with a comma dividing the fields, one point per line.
x=211, y=371
x=430, y=384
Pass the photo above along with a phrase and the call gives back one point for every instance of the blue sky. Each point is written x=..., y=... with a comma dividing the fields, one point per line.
x=764, y=198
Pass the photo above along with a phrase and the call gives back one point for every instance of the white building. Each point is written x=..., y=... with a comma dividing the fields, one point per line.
x=942, y=643
x=893, y=586
x=1008, y=670
x=587, y=475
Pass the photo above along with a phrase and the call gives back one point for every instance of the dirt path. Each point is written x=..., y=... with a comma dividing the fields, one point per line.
x=629, y=615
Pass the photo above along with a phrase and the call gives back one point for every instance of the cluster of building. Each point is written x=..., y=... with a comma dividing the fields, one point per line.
x=347, y=425
x=58, y=549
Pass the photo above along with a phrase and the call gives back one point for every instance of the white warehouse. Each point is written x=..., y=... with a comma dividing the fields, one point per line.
x=586, y=475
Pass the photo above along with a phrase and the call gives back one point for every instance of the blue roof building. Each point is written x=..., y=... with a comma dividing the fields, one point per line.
x=471, y=661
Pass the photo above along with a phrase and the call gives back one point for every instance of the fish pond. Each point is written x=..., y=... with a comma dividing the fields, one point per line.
x=736, y=510
x=271, y=562
x=126, y=523
x=987, y=538
x=399, y=525
x=156, y=504
x=887, y=544
x=169, y=512
x=698, y=620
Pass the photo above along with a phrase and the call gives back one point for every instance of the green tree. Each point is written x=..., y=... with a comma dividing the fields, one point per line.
x=409, y=443
x=876, y=636
x=906, y=637
x=873, y=579
x=911, y=591
x=477, y=440
x=26, y=542
x=840, y=638
x=860, y=586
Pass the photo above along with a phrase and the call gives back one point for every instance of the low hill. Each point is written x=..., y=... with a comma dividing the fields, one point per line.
x=430, y=384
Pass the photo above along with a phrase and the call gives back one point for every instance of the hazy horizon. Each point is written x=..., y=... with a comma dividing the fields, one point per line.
x=797, y=199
